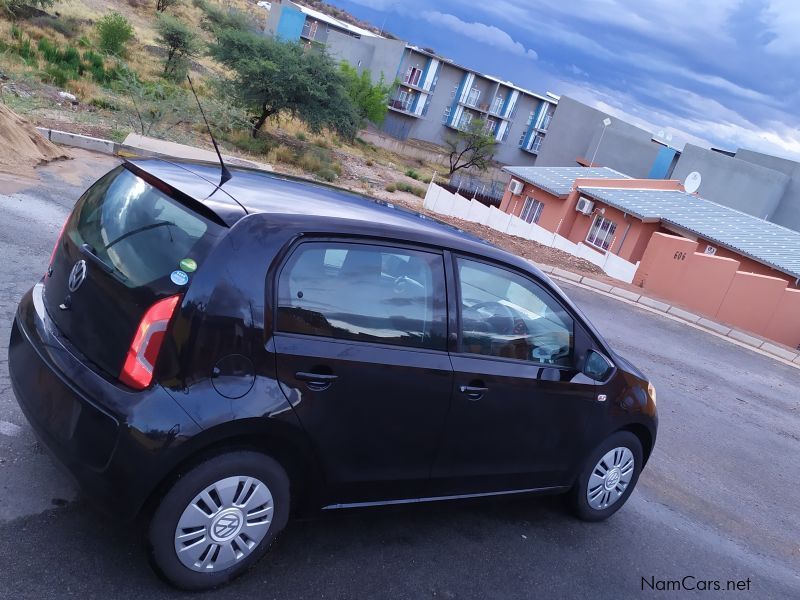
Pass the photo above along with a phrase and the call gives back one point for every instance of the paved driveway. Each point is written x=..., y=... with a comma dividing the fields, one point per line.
x=718, y=500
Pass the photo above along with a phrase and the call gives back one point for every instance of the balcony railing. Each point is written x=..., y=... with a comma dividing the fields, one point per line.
x=545, y=123
x=402, y=104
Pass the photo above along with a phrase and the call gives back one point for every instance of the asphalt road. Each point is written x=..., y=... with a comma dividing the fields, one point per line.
x=718, y=500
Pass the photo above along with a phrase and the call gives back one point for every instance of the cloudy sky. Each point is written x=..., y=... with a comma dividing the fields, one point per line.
x=710, y=72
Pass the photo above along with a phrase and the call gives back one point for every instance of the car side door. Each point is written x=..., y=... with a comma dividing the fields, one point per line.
x=360, y=342
x=522, y=412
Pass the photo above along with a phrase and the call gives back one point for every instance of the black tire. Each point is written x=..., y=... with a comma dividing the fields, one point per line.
x=161, y=532
x=577, y=496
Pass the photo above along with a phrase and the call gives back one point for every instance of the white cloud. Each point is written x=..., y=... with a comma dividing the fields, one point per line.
x=479, y=32
x=783, y=18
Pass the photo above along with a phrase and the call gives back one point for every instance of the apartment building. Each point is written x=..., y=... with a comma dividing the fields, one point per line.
x=434, y=96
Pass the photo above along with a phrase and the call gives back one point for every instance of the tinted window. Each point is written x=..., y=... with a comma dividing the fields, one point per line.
x=363, y=292
x=136, y=229
x=505, y=314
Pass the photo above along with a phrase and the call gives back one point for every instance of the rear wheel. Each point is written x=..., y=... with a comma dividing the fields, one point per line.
x=218, y=519
x=608, y=477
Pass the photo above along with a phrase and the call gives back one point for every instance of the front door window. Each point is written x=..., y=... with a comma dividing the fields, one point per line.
x=504, y=314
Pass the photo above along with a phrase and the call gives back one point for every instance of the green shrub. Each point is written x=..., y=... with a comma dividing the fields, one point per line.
x=405, y=187
x=309, y=161
x=58, y=75
x=301, y=136
x=248, y=143
x=115, y=31
x=327, y=174
x=71, y=56
x=370, y=163
x=285, y=155
x=412, y=173
x=103, y=104
x=391, y=188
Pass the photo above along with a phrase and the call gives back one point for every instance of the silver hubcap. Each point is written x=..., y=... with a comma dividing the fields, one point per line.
x=223, y=524
x=610, y=478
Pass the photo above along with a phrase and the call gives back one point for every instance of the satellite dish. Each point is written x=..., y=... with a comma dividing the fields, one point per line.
x=669, y=137
x=660, y=134
x=692, y=182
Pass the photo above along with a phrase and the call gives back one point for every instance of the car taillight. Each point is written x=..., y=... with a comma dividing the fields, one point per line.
x=137, y=372
x=55, y=248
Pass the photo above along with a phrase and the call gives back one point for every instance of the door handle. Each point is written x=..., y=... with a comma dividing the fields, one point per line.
x=316, y=381
x=473, y=392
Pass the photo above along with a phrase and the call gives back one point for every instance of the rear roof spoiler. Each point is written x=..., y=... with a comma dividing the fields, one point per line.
x=175, y=193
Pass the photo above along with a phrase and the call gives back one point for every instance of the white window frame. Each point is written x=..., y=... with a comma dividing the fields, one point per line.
x=446, y=114
x=531, y=210
x=470, y=101
x=601, y=238
x=410, y=78
x=465, y=121
x=497, y=104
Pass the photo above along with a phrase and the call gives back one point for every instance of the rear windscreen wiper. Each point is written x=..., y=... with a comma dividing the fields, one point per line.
x=139, y=230
x=89, y=252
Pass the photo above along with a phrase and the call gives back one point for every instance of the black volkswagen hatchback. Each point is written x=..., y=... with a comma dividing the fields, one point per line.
x=214, y=358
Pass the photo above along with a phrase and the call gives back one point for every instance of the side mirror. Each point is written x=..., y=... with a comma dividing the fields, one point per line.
x=597, y=366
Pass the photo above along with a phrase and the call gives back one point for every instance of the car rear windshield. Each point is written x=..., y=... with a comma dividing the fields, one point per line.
x=139, y=232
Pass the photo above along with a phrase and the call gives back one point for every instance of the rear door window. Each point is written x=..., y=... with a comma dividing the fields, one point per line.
x=364, y=293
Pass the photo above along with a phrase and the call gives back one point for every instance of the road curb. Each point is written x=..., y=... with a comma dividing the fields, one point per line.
x=766, y=347
x=103, y=146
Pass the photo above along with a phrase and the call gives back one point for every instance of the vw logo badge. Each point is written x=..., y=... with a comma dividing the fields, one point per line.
x=77, y=275
x=226, y=525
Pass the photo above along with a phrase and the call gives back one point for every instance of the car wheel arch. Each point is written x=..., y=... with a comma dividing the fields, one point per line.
x=287, y=447
x=645, y=438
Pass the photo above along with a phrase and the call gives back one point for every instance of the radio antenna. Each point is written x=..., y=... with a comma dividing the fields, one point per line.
x=225, y=175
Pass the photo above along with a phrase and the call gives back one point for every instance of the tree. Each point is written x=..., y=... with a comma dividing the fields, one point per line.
x=179, y=42
x=157, y=106
x=471, y=147
x=115, y=32
x=162, y=5
x=370, y=100
x=217, y=19
x=272, y=77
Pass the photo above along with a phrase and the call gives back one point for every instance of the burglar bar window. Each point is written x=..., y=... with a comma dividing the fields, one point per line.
x=531, y=210
x=601, y=233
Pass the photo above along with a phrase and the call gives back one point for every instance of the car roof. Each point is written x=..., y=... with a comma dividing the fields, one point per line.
x=251, y=191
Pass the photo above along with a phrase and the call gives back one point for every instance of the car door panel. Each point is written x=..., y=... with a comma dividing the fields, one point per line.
x=522, y=413
x=524, y=432
x=377, y=426
x=361, y=356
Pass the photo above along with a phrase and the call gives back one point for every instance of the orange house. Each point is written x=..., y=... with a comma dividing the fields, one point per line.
x=708, y=258
x=610, y=212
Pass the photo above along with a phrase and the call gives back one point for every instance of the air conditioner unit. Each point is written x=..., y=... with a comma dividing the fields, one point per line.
x=515, y=187
x=584, y=206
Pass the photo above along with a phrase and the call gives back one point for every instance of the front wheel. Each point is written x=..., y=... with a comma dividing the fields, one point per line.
x=608, y=477
x=218, y=519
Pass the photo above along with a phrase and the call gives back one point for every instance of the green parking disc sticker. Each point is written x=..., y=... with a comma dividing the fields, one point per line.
x=188, y=265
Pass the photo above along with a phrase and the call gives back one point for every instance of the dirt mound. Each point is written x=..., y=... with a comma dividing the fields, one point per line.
x=21, y=146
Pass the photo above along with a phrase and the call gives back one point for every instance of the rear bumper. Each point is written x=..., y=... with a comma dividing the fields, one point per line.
x=118, y=445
